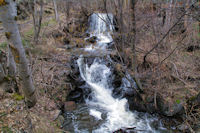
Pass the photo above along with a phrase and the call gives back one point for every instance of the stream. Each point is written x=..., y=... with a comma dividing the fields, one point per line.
x=102, y=111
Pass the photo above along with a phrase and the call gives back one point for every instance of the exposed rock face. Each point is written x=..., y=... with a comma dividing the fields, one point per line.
x=79, y=89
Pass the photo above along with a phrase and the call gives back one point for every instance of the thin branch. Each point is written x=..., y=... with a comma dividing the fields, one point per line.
x=178, y=46
x=179, y=19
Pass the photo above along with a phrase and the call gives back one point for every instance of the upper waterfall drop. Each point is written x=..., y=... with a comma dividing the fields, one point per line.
x=100, y=23
x=101, y=26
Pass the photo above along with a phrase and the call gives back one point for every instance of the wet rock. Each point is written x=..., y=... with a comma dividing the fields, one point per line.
x=125, y=130
x=70, y=106
x=136, y=103
x=176, y=109
x=92, y=39
x=118, y=75
x=76, y=95
x=167, y=109
x=80, y=90
x=74, y=66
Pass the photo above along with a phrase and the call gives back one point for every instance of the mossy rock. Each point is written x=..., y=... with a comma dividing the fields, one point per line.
x=17, y=97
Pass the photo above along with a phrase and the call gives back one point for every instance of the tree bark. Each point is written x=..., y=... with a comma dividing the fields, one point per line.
x=17, y=49
x=186, y=16
x=37, y=17
x=56, y=11
x=12, y=68
x=168, y=16
x=3, y=65
x=133, y=36
x=2, y=74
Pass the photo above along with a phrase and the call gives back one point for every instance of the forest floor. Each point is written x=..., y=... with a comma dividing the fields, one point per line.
x=49, y=63
x=177, y=78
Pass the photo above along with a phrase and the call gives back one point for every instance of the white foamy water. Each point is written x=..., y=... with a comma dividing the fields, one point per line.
x=97, y=76
x=96, y=114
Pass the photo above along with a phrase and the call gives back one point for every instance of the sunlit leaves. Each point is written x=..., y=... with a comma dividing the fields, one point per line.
x=3, y=2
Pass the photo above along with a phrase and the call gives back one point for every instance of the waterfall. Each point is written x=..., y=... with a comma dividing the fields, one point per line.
x=98, y=77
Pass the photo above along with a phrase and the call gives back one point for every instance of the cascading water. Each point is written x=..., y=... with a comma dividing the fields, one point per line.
x=112, y=113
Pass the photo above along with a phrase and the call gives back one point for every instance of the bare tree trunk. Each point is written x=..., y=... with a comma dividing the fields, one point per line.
x=56, y=11
x=67, y=8
x=168, y=16
x=2, y=74
x=39, y=22
x=11, y=64
x=12, y=71
x=121, y=3
x=17, y=49
x=133, y=36
x=186, y=16
x=37, y=17
x=3, y=65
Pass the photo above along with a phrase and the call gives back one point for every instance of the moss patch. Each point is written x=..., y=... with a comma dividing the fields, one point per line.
x=18, y=97
x=3, y=45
